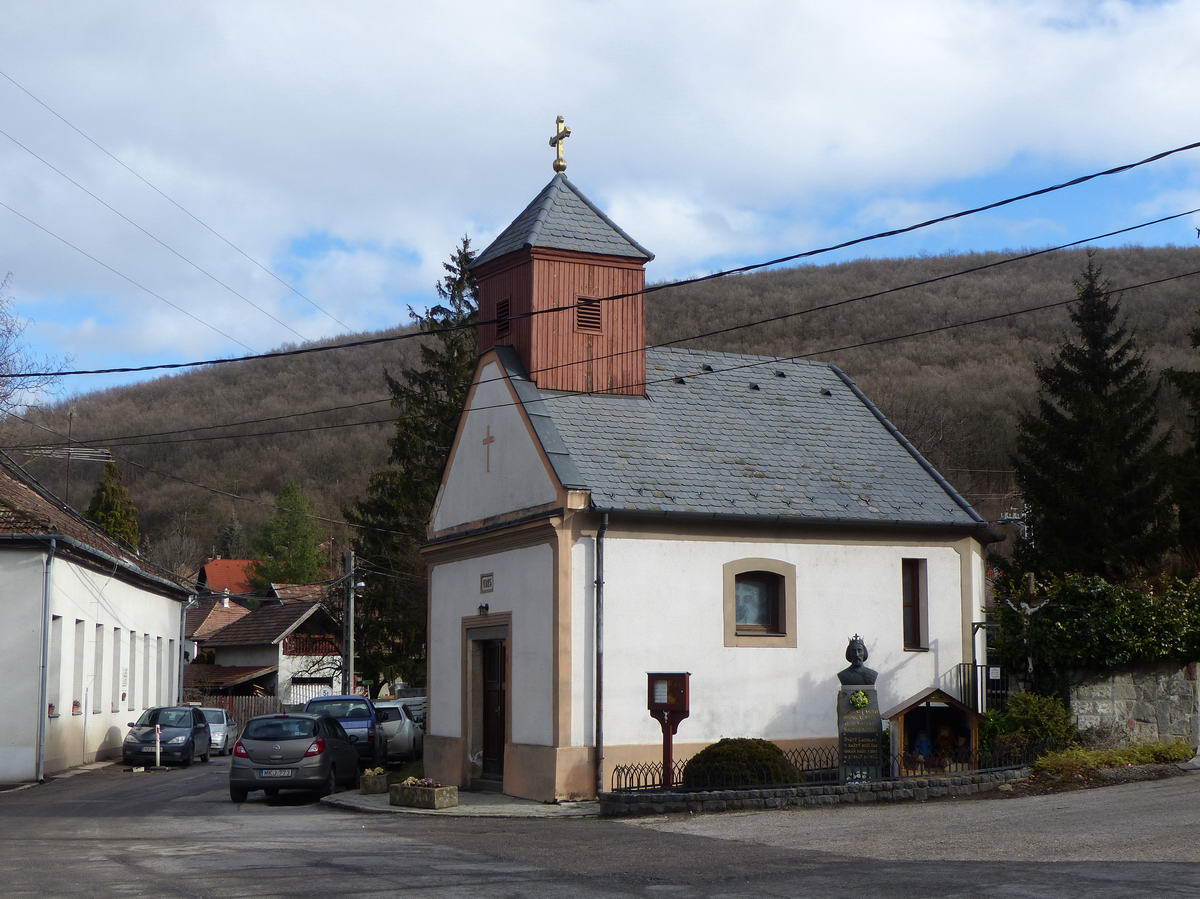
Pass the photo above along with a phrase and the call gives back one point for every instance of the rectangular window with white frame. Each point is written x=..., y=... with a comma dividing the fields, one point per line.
x=915, y=597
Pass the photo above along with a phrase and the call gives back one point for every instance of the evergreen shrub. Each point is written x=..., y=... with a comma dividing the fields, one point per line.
x=739, y=762
x=1076, y=760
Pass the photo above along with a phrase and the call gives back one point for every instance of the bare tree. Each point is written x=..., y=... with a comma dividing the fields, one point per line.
x=24, y=375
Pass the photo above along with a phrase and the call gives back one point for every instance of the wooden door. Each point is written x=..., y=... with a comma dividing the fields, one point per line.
x=494, y=689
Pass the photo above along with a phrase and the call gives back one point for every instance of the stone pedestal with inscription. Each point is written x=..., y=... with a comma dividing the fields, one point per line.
x=860, y=734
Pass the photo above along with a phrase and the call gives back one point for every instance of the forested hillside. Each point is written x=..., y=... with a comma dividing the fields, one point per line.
x=956, y=393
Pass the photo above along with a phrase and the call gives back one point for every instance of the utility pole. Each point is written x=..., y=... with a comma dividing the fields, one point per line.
x=348, y=629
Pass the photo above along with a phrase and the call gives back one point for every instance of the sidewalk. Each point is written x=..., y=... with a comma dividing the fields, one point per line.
x=69, y=772
x=470, y=805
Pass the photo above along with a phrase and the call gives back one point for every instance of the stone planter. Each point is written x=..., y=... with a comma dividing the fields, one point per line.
x=373, y=783
x=424, y=797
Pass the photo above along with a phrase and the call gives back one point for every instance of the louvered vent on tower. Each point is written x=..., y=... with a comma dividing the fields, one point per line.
x=587, y=315
x=502, y=321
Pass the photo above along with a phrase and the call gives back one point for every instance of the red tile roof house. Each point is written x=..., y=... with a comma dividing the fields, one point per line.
x=287, y=648
x=221, y=575
x=92, y=633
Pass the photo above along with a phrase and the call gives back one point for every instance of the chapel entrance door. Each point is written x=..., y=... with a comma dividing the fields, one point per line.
x=494, y=689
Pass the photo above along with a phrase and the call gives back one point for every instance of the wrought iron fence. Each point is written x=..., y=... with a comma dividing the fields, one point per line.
x=815, y=766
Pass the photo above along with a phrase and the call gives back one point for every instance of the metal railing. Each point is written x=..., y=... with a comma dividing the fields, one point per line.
x=814, y=766
x=983, y=688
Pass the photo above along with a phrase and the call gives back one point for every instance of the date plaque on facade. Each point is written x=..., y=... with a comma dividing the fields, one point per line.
x=487, y=582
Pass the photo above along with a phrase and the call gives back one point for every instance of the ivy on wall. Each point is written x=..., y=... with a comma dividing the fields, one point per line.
x=1090, y=625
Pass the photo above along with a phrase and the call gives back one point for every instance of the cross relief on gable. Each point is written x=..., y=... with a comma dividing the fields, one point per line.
x=487, y=449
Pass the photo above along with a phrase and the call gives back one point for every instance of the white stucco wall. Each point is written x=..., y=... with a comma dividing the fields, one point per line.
x=523, y=585
x=20, y=651
x=517, y=478
x=664, y=612
x=79, y=594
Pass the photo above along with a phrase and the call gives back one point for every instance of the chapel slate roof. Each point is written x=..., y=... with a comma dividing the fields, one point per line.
x=265, y=625
x=562, y=218
x=753, y=437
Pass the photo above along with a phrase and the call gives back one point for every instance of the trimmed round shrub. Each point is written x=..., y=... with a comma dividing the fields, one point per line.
x=739, y=762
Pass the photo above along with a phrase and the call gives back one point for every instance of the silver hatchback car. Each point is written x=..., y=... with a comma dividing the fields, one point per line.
x=292, y=752
x=223, y=727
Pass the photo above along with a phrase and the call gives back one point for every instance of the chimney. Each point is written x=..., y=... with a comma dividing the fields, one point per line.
x=225, y=599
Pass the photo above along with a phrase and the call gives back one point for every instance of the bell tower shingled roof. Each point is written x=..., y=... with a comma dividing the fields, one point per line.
x=563, y=253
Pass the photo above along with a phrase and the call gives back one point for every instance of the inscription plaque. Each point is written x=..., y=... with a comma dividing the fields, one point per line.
x=860, y=734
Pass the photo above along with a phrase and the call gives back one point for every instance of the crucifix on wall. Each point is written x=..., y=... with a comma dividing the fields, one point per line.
x=487, y=449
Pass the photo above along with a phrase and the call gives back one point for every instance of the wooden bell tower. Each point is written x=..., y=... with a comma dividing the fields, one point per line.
x=563, y=254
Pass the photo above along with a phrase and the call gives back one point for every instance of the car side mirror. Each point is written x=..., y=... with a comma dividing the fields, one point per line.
x=131, y=724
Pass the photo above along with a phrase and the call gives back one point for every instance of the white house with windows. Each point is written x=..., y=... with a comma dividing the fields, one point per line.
x=91, y=635
x=610, y=510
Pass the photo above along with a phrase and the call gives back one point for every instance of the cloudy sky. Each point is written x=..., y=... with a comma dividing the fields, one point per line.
x=346, y=146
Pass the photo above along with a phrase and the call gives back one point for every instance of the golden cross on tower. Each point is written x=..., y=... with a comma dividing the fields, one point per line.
x=562, y=133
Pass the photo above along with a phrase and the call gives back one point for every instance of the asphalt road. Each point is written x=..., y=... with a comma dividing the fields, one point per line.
x=112, y=833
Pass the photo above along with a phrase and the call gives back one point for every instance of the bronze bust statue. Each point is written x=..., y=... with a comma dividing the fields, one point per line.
x=857, y=673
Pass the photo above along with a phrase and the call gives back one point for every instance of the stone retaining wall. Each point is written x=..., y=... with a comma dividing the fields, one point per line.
x=913, y=789
x=1150, y=702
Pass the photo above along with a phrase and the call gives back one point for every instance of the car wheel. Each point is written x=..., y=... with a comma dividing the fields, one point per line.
x=189, y=756
x=330, y=782
x=353, y=782
x=238, y=794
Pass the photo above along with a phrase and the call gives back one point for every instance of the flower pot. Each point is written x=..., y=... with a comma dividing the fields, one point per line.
x=372, y=783
x=424, y=797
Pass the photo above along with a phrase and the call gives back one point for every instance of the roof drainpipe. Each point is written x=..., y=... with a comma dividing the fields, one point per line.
x=599, y=568
x=39, y=773
x=182, y=661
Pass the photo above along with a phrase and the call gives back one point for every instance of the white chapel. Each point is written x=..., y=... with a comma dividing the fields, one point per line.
x=610, y=510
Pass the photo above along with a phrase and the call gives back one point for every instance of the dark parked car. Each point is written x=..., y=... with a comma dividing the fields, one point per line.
x=184, y=735
x=291, y=752
x=361, y=721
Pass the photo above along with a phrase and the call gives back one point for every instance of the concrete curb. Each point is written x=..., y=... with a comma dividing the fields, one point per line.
x=517, y=808
x=61, y=775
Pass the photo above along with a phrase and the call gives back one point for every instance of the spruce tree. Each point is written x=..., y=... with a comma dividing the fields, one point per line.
x=231, y=540
x=1089, y=460
x=112, y=509
x=428, y=399
x=1185, y=470
x=286, y=549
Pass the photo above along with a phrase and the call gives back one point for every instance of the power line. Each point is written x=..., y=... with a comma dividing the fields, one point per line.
x=171, y=199
x=766, y=360
x=210, y=489
x=152, y=236
x=836, y=303
x=652, y=289
x=136, y=284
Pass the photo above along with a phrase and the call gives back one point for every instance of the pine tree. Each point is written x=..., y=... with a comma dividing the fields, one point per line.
x=395, y=509
x=231, y=539
x=1185, y=473
x=112, y=509
x=286, y=549
x=1089, y=461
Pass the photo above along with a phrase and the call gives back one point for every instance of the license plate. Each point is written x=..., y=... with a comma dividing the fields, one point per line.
x=275, y=772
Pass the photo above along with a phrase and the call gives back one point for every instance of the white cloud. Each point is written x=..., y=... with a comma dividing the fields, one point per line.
x=712, y=132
